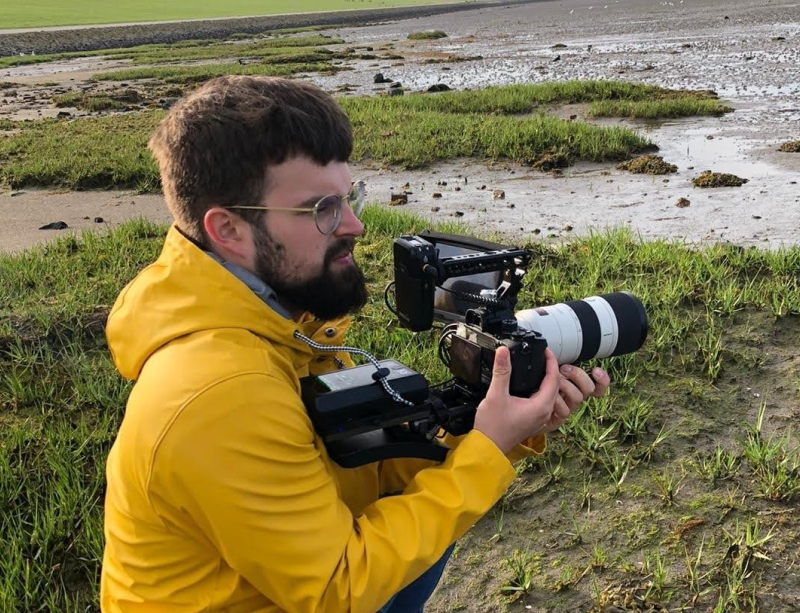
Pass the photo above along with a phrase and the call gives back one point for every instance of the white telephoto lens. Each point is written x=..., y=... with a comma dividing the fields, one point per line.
x=594, y=327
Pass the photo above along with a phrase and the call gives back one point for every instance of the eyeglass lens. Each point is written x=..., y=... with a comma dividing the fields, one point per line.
x=329, y=210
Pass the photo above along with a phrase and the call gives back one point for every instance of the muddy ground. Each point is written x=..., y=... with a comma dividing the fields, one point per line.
x=747, y=51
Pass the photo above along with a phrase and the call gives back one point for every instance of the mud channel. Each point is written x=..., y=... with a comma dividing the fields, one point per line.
x=748, y=51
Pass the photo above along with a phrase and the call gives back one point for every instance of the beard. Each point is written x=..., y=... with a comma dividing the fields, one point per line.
x=327, y=295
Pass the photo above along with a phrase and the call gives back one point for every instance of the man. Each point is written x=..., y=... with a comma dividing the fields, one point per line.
x=220, y=495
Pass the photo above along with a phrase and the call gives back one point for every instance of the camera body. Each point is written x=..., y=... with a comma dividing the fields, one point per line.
x=470, y=286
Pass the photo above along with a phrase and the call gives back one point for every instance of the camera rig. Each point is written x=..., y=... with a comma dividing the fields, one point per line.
x=386, y=410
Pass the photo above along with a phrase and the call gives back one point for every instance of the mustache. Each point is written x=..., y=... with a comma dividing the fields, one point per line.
x=339, y=248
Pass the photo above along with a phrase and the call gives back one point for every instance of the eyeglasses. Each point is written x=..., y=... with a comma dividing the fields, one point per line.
x=327, y=211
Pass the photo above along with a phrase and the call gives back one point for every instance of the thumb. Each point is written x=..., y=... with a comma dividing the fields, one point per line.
x=501, y=371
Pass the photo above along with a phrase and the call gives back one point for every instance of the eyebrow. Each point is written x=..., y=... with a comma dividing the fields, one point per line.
x=310, y=202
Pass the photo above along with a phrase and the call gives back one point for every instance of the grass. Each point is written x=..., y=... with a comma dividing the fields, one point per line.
x=659, y=109
x=197, y=74
x=427, y=35
x=38, y=13
x=410, y=131
x=609, y=514
x=273, y=42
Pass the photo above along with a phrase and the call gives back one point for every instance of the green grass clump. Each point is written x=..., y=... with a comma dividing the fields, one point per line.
x=657, y=109
x=409, y=131
x=640, y=522
x=197, y=74
x=184, y=51
x=88, y=102
x=91, y=153
x=427, y=35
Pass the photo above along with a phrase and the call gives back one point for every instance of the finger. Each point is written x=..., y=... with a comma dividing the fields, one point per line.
x=501, y=372
x=601, y=382
x=561, y=410
x=549, y=387
x=570, y=394
x=580, y=378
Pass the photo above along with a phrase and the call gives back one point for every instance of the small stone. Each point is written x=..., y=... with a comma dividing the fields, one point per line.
x=435, y=209
x=56, y=225
x=756, y=216
x=457, y=214
x=395, y=92
x=396, y=85
x=437, y=195
x=567, y=228
x=379, y=78
x=498, y=194
x=398, y=199
x=512, y=205
x=99, y=220
x=439, y=87
x=457, y=188
x=682, y=203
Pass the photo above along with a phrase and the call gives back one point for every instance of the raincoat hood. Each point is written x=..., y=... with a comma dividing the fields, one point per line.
x=187, y=291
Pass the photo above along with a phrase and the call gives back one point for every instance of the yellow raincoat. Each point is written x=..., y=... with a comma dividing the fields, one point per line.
x=220, y=495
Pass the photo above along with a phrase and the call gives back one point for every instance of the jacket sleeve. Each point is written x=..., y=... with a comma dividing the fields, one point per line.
x=241, y=460
x=397, y=473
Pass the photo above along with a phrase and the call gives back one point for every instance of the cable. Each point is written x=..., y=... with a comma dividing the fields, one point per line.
x=391, y=308
x=444, y=349
x=381, y=374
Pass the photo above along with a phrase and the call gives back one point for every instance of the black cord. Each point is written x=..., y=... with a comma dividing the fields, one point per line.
x=444, y=347
x=391, y=308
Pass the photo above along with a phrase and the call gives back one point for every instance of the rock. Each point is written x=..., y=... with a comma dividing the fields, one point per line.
x=682, y=203
x=557, y=58
x=559, y=46
x=17, y=193
x=512, y=205
x=436, y=195
x=439, y=87
x=396, y=85
x=567, y=228
x=63, y=114
x=395, y=92
x=648, y=164
x=379, y=78
x=398, y=199
x=498, y=194
x=99, y=220
x=718, y=179
x=56, y=225
x=457, y=214
x=435, y=209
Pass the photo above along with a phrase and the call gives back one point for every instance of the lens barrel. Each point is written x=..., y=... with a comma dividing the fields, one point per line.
x=595, y=327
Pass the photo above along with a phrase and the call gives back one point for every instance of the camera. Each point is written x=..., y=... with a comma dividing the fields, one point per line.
x=469, y=287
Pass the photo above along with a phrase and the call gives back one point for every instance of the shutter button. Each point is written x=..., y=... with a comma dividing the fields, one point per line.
x=330, y=332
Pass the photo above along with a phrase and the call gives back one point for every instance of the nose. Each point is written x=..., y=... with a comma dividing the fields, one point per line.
x=349, y=225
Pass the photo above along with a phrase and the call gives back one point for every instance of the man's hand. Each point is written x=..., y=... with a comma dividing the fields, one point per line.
x=576, y=386
x=508, y=420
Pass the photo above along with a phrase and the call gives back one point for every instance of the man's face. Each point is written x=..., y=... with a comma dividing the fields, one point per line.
x=309, y=270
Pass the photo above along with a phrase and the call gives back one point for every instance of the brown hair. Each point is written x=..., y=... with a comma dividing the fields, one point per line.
x=215, y=146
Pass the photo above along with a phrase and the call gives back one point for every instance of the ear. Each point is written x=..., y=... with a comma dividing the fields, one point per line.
x=230, y=236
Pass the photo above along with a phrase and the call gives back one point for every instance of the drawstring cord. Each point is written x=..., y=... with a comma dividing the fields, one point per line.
x=381, y=375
